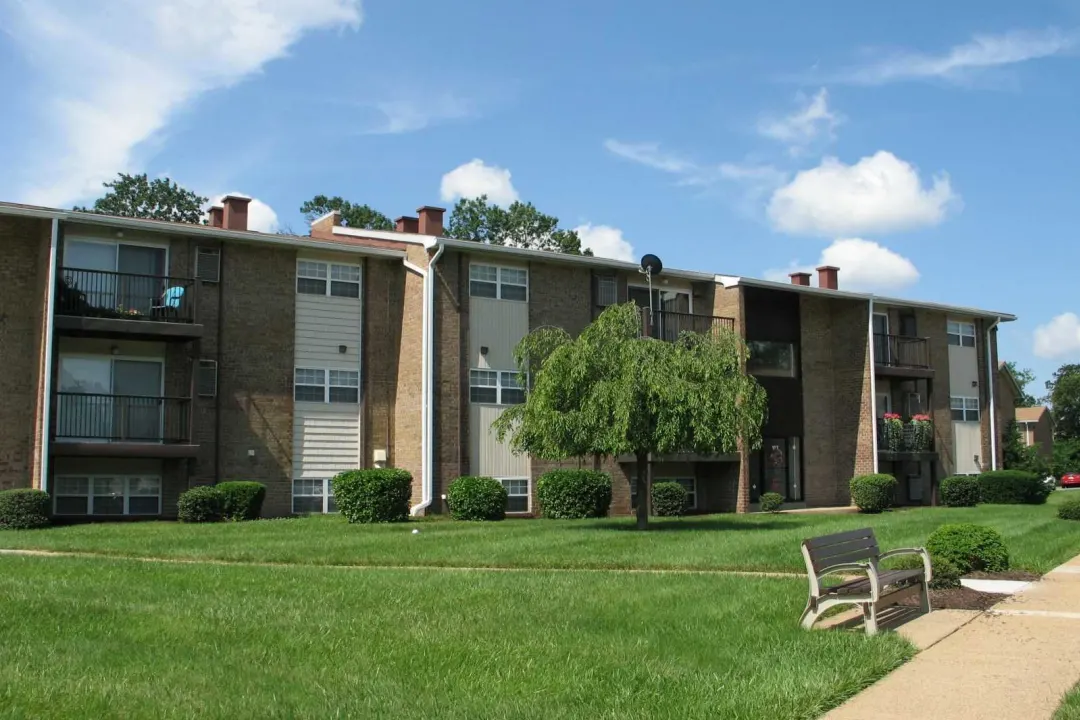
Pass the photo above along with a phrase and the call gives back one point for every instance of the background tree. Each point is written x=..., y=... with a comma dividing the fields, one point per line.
x=520, y=225
x=158, y=199
x=612, y=392
x=1017, y=455
x=1064, y=397
x=356, y=216
x=1023, y=379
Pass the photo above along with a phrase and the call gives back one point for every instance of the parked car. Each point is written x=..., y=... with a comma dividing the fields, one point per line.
x=1070, y=480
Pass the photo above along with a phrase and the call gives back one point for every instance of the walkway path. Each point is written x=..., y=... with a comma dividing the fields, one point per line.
x=1013, y=663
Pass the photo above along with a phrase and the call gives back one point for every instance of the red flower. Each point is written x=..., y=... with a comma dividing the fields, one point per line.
x=892, y=416
x=920, y=418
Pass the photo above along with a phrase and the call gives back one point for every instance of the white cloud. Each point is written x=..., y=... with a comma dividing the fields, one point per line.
x=261, y=217
x=114, y=72
x=1058, y=338
x=475, y=178
x=864, y=266
x=962, y=61
x=403, y=116
x=879, y=193
x=606, y=242
x=651, y=155
x=813, y=121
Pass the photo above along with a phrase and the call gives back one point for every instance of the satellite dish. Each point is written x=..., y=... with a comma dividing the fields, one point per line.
x=651, y=264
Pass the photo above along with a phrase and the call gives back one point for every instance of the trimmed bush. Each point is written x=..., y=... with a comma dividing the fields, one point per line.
x=242, y=499
x=202, y=504
x=573, y=494
x=1012, y=487
x=873, y=493
x=971, y=548
x=476, y=498
x=378, y=495
x=944, y=574
x=960, y=491
x=771, y=502
x=1070, y=509
x=668, y=499
x=23, y=509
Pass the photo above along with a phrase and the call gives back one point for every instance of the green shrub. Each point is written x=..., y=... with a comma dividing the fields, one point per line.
x=971, y=548
x=960, y=491
x=373, y=496
x=1070, y=509
x=1012, y=487
x=771, y=502
x=944, y=574
x=242, y=500
x=476, y=498
x=873, y=493
x=573, y=494
x=668, y=499
x=23, y=509
x=205, y=503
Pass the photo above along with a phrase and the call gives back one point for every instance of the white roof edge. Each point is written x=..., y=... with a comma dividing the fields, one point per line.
x=410, y=238
x=323, y=217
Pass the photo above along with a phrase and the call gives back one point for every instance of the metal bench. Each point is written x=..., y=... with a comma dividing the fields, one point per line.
x=854, y=552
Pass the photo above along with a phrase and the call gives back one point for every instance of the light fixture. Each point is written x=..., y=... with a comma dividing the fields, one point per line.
x=483, y=350
x=342, y=349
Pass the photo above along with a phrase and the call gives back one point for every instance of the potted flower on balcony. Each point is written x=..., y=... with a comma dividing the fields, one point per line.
x=893, y=432
x=922, y=432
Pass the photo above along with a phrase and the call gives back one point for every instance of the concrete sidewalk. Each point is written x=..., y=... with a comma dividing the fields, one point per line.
x=1013, y=663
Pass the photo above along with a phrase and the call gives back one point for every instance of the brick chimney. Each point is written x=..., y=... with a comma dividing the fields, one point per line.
x=407, y=224
x=800, y=278
x=827, y=277
x=217, y=216
x=236, y=212
x=431, y=220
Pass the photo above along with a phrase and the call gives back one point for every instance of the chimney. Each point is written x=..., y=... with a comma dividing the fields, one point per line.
x=826, y=277
x=217, y=216
x=800, y=278
x=236, y=212
x=406, y=224
x=431, y=220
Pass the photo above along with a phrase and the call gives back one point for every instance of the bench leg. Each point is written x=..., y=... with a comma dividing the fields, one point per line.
x=869, y=613
x=925, y=600
x=809, y=615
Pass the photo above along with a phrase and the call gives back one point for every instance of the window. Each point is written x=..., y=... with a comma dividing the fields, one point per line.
x=517, y=494
x=319, y=385
x=964, y=409
x=607, y=290
x=495, y=387
x=208, y=264
x=502, y=283
x=309, y=385
x=313, y=496
x=689, y=484
x=107, y=495
x=344, y=386
x=776, y=359
x=330, y=279
x=961, y=333
x=206, y=379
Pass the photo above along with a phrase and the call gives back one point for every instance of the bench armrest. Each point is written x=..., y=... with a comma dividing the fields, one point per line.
x=927, y=567
x=868, y=568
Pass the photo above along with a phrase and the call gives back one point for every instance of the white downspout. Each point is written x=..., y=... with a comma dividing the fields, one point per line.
x=873, y=385
x=43, y=481
x=427, y=430
x=990, y=380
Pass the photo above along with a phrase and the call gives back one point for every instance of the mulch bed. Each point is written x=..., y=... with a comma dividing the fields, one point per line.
x=963, y=598
x=1007, y=575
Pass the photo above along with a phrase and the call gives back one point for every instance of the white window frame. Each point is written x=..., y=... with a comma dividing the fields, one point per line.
x=527, y=495
x=324, y=272
x=499, y=281
x=89, y=496
x=961, y=328
x=327, y=384
x=327, y=494
x=967, y=405
x=501, y=376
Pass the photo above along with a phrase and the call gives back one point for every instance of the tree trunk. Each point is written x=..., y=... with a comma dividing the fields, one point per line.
x=742, y=494
x=644, y=490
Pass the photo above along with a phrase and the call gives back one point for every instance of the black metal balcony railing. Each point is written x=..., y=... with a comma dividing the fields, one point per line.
x=901, y=352
x=906, y=439
x=125, y=296
x=667, y=325
x=122, y=418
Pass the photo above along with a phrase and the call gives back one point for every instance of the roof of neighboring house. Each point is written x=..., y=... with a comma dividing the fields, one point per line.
x=1033, y=414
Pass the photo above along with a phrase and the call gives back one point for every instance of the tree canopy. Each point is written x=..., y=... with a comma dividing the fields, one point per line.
x=612, y=392
x=1023, y=378
x=357, y=216
x=139, y=197
x=1064, y=396
x=520, y=225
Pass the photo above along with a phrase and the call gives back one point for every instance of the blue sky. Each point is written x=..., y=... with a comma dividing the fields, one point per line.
x=928, y=149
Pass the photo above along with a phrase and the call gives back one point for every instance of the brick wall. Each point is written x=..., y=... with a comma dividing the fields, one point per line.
x=931, y=325
x=729, y=302
x=983, y=350
x=451, y=436
x=404, y=362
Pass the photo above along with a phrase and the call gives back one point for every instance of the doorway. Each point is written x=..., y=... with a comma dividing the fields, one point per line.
x=106, y=399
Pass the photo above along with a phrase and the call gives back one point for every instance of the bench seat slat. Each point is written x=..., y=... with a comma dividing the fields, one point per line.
x=853, y=556
x=858, y=587
x=838, y=538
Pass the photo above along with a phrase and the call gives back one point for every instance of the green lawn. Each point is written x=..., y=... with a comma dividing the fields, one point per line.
x=1037, y=540
x=1070, y=706
x=106, y=638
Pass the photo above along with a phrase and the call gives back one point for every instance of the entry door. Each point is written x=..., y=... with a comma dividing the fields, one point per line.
x=137, y=414
x=84, y=410
x=666, y=326
x=881, y=338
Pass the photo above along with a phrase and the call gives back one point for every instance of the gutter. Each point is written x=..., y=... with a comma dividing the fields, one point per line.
x=873, y=384
x=50, y=301
x=427, y=416
x=990, y=380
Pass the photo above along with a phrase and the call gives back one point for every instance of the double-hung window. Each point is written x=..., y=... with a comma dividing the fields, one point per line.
x=496, y=387
x=327, y=279
x=107, y=495
x=964, y=409
x=961, y=333
x=344, y=386
x=497, y=282
x=321, y=385
x=313, y=496
x=517, y=494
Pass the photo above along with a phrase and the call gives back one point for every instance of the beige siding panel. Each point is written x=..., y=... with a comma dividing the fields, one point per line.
x=322, y=325
x=967, y=441
x=498, y=325
x=487, y=456
x=963, y=371
x=326, y=439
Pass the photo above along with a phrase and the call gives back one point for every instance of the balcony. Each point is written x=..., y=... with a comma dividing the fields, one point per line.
x=905, y=443
x=902, y=356
x=668, y=325
x=97, y=425
x=99, y=303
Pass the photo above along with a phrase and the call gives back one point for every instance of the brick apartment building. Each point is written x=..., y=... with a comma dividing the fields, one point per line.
x=144, y=357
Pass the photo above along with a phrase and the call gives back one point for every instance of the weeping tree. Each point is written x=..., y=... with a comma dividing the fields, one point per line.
x=612, y=392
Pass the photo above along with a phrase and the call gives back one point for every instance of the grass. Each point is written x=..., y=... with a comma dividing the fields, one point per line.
x=1070, y=706
x=1038, y=541
x=98, y=637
